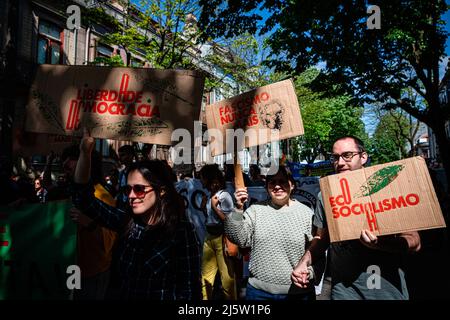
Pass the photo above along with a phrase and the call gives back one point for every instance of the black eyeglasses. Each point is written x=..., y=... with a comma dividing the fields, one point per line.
x=138, y=189
x=347, y=156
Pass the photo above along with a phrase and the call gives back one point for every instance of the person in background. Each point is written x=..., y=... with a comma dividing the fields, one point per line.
x=308, y=171
x=41, y=192
x=127, y=156
x=61, y=189
x=256, y=179
x=94, y=243
x=214, y=257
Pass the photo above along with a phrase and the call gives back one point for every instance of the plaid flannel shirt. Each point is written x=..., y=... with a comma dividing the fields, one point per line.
x=152, y=265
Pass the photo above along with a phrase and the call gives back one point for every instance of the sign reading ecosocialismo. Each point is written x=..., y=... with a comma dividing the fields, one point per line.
x=386, y=199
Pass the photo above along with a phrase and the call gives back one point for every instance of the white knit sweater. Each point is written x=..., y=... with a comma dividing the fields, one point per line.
x=277, y=237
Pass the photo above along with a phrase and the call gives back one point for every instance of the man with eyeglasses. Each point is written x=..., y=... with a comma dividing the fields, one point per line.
x=351, y=262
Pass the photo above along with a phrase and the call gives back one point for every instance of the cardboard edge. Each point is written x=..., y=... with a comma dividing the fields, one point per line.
x=324, y=184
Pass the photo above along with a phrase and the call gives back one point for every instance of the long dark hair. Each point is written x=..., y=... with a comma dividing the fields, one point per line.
x=213, y=177
x=168, y=209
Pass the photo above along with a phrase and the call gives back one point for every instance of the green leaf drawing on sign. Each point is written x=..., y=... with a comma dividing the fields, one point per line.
x=139, y=127
x=379, y=180
x=49, y=110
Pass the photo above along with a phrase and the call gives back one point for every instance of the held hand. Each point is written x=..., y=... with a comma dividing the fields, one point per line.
x=87, y=142
x=300, y=275
x=241, y=196
x=368, y=239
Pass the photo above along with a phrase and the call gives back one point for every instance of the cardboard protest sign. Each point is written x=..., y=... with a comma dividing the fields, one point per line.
x=386, y=199
x=32, y=143
x=272, y=112
x=137, y=104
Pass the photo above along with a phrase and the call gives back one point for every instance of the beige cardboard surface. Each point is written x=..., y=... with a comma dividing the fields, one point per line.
x=32, y=143
x=137, y=104
x=269, y=109
x=386, y=199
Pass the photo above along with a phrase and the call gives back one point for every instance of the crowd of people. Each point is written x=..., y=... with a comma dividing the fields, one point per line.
x=135, y=239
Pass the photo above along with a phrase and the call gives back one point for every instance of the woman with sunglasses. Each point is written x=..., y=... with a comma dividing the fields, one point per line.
x=277, y=231
x=159, y=256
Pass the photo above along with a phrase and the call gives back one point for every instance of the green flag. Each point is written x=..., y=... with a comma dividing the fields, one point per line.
x=37, y=244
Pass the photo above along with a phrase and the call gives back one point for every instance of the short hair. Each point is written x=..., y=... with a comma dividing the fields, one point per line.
x=356, y=140
x=214, y=179
x=286, y=172
x=256, y=168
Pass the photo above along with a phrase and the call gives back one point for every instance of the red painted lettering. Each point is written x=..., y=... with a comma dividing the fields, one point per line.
x=102, y=107
x=143, y=109
x=346, y=191
x=121, y=109
x=357, y=205
x=340, y=200
x=139, y=96
x=412, y=199
x=265, y=96
x=123, y=86
x=332, y=202
x=398, y=203
x=372, y=221
x=347, y=211
x=387, y=204
x=112, y=95
x=113, y=108
x=335, y=213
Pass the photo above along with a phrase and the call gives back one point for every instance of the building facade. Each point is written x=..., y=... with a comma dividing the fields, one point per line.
x=43, y=37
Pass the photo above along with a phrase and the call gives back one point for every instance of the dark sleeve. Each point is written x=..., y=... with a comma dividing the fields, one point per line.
x=110, y=217
x=188, y=278
x=319, y=219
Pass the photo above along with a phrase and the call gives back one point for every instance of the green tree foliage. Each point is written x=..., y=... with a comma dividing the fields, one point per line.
x=372, y=65
x=239, y=59
x=164, y=32
x=325, y=118
x=390, y=138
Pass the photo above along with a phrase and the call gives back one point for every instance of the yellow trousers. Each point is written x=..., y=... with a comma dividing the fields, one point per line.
x=214, y=260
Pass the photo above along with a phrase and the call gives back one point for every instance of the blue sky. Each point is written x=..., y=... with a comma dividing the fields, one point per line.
x=447, y=27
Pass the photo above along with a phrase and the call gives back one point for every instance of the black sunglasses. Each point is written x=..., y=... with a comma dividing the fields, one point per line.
x=138, y=189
